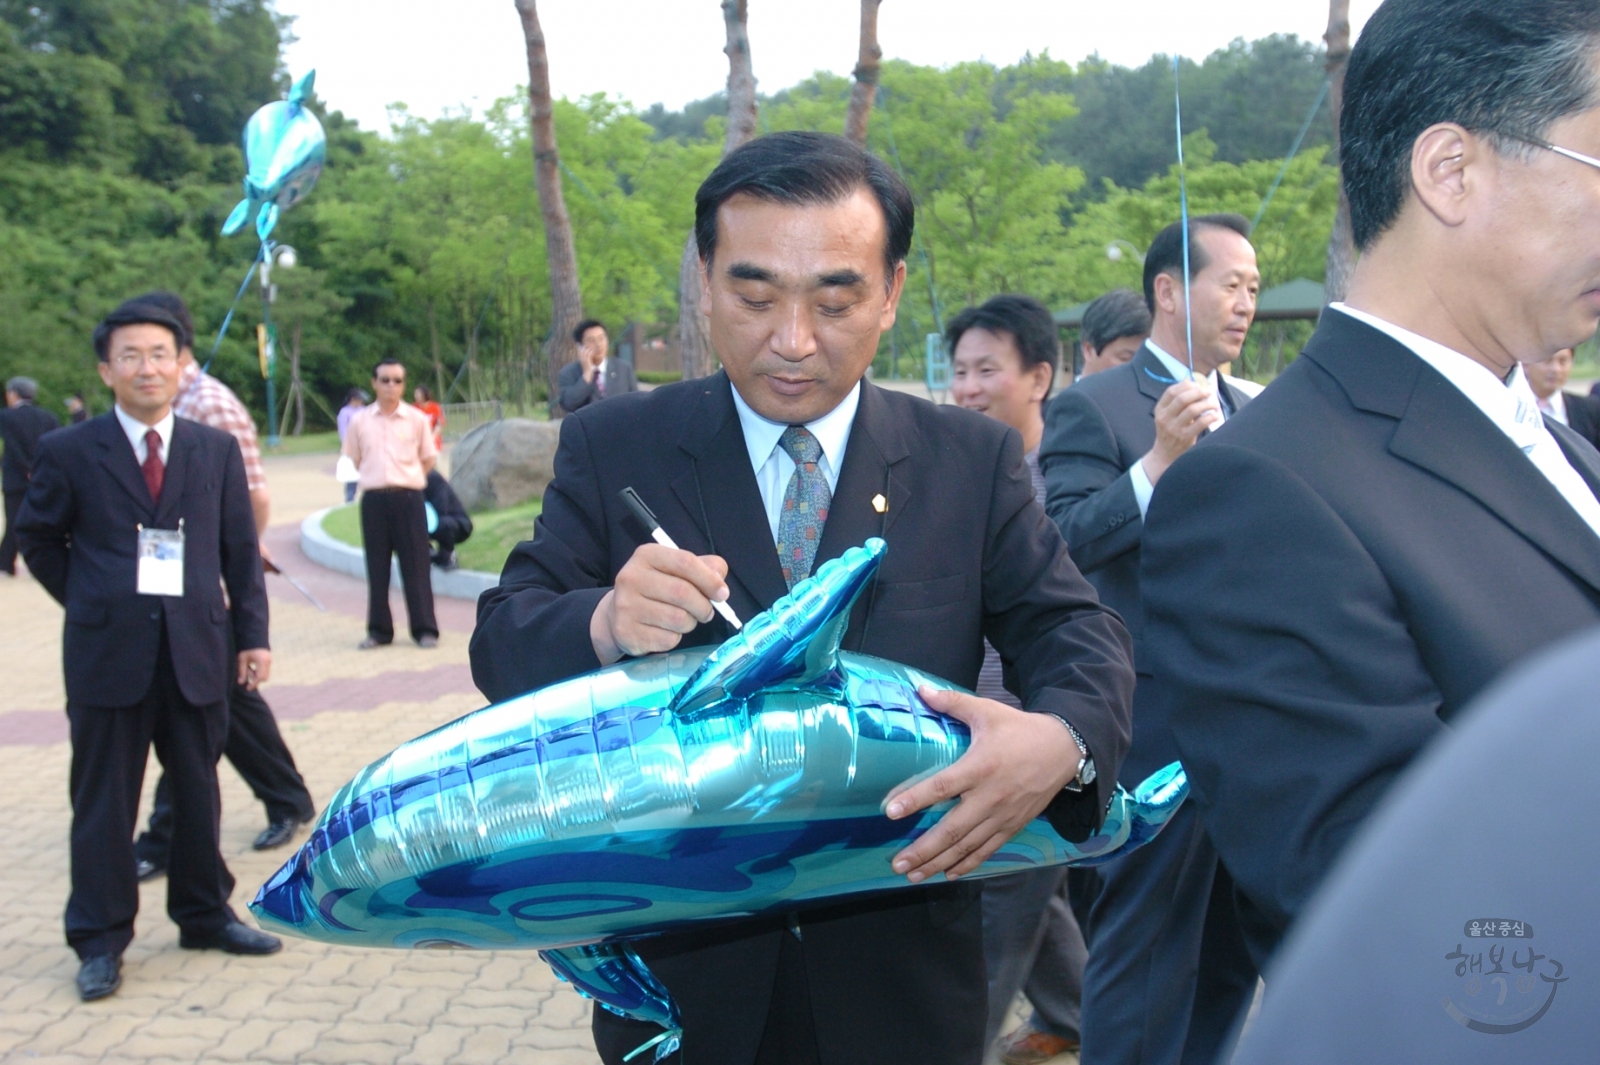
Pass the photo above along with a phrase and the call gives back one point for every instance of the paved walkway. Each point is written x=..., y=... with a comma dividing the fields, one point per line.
x=340, y=709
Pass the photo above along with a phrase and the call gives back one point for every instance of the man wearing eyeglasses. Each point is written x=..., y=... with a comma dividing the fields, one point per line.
x=1393, y=524
x=135, y=521
x=391, y=443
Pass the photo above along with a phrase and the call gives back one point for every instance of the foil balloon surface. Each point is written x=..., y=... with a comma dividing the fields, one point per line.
x=697, y=785
x=284, y=151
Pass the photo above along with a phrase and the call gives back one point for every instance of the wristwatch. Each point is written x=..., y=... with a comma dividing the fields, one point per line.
x=1086, y=772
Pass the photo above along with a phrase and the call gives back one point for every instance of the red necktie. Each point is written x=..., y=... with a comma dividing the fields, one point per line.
x=155, y=471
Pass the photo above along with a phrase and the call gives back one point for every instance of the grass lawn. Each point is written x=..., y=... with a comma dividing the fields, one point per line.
x=309, y=444
x=494, y=533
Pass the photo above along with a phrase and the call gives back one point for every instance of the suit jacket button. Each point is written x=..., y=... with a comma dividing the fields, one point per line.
x=156, y=616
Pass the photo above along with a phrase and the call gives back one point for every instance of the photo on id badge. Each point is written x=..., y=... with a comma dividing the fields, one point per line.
x=161, y=561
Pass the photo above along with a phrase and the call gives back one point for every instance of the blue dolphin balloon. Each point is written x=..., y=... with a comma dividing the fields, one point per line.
x=284, y=150
x=697, y=785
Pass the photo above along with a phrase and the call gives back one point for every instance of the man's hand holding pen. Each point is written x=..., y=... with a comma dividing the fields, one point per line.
x=661, y=594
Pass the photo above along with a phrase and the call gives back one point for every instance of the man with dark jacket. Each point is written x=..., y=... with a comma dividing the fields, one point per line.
x=22, y=423
x=1392, y=524
x=135, y=521
x=1548, y=379
x=451, y=523
x=1167, y=966
x=593, y=375
x=762, y=473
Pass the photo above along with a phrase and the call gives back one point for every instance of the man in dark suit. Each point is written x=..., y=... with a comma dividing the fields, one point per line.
x=593, y=375
x=1167, y=969
x=135, y=521
x=22, y=423
x=1548, y=379
x=803, y=238
x=452, y=524
x=1392, y=524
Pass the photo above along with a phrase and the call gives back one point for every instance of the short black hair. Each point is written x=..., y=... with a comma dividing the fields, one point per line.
x=799, y=167
x=1166, y=251
x=173, y=304
x=387, y=360
x=358, y=393
x=584, y=326
x=134, y=312
x=1491, y=66
x=1028, y=322
x=1120, y=313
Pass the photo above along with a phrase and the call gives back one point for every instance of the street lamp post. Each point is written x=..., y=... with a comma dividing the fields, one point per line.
x=283, y=255
x=1114, y=251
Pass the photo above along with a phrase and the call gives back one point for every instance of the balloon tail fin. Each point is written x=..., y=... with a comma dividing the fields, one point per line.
x=236, y=217
x=614, y=976
x=1150, y=807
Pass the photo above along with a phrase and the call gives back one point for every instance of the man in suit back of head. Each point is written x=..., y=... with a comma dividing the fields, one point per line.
x=763, y=473
x=22, y=423
x=1115, y=326
x=1392, y=524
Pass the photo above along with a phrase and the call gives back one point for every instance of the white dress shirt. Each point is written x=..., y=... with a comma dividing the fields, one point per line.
x=1510, y=405
x=1555, y=407
x=772, y=464
x=1142, y=488
x=136, y=430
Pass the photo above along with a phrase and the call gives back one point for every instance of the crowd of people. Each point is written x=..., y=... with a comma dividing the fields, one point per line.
x=1292, y=591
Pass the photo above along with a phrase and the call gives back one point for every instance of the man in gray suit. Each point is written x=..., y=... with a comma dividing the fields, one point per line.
x=593, y=375
x=1167, y=968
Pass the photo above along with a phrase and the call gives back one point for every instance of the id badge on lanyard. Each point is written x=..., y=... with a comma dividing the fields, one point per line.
x=161, y=561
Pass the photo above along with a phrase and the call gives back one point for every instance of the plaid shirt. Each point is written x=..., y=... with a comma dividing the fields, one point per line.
x=208, y=401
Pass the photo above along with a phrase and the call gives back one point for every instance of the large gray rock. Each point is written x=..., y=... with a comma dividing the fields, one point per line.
x=504, y=463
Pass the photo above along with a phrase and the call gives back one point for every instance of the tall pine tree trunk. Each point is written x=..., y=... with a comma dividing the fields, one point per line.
x=693, y=334
x=566, y=298
x=1341, y=245
x=868, y=67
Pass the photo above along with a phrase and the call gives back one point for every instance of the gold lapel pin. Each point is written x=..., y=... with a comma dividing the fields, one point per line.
x=880, y=504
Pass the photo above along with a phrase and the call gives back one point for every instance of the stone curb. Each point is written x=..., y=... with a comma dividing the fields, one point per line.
x=325, y=551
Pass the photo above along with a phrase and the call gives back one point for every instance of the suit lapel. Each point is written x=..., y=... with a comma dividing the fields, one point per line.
x=1442, y=432
x=117, y=456
x=720, y=488
x=875, y=447
x=1150, y=375
x=179, y=453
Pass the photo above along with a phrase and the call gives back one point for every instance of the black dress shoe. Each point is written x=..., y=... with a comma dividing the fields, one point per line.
x=99, y=975
x=277, y=833
x=232, y=938
x=148, y=870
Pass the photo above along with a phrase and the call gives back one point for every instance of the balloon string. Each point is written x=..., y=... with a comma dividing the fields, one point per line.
x=228, y=318
x=1183, y=214
x=670, y=1033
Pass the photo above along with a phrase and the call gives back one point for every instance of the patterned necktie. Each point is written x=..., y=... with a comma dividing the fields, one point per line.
x=805, y=505
x=155, y=471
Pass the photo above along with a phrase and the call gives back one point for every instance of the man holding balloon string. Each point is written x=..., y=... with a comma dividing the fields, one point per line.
x=762, y=473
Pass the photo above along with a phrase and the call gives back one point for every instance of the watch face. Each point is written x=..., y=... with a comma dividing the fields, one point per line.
x=1087, y=774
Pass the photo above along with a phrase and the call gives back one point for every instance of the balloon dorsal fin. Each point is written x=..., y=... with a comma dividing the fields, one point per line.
x=301, y=92
x=797, y=641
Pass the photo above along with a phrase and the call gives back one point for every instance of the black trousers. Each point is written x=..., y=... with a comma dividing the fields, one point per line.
x=394, y=523
x=1168, y=971
x=257, y=751
x=8, y=542
x=109, y=749
x=451, y=531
